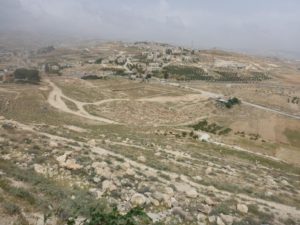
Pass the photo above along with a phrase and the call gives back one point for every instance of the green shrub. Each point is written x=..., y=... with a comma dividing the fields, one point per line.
x=289, y=221
x=232, y=101
x=98, y=61
x=11, y=208
x=211, y=128
x=225, y=131
x=23, y=194
x=135, y=216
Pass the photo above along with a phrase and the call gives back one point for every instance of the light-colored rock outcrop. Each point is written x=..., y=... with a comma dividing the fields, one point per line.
x=138, y=199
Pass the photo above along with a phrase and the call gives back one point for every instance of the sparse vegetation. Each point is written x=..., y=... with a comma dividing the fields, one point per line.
x=293, y=136
x=135, y=216
x=71, y=105
x=211, y=128
x=11, y=208
x=98, y=61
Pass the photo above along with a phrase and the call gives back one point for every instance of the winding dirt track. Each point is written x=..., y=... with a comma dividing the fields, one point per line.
x=56, y=95
x=55, y=100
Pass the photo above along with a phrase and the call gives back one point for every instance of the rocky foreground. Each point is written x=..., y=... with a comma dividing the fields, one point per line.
x=51, y=175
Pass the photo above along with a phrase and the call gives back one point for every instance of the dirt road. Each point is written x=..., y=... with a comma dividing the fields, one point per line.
x=214, y=95
x=55, y=100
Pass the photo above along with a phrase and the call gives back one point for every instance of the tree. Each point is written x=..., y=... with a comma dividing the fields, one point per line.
x=27, y=75
x=232, y=101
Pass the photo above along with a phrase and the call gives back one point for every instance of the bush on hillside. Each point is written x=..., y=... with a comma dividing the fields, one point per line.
x=135, y=216
x=232, y=101
x=98, y=61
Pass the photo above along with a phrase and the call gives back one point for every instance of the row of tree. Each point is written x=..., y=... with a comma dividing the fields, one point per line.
x=27, y=75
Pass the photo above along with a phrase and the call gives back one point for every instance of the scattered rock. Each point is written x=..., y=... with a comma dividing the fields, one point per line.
x=212, y=219
x=102, y=169
x=68, y=163
x=138, y=199
x=38, y=219
x=125, y=166
x=92, y=142
x=53, y=144
x=198, y=178
x=206, y=209
x=108, y=185
x=242, y=208
x=191, y=193
x=154, y=202
x=211, y=189
x=71, y=164
x=284, y=182
x=150, y=173
x=96, y=179
x=227, y=219
x=162, y=198
x=220, y=221
x=201, y=217
x=208, y=201
x=39, y=168
x=9, y=126
x=208, y=171
x=159, y=196
x=95, y=192
x=142, y=159
x=183, y=214
x=6, y=157
x=269, y=193
x=169, y=191
x=124, y=207
x=174, y=202
x=157, y=153
x=270, y=180
x=210, y=164
x=63, y=158
x=130, y=172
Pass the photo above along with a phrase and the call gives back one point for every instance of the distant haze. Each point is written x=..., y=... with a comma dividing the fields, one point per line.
x=254, y=25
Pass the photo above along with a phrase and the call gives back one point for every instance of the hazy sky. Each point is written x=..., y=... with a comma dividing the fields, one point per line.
x=231, y=24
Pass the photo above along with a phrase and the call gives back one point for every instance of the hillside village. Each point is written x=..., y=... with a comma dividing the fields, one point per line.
x=146, y=59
